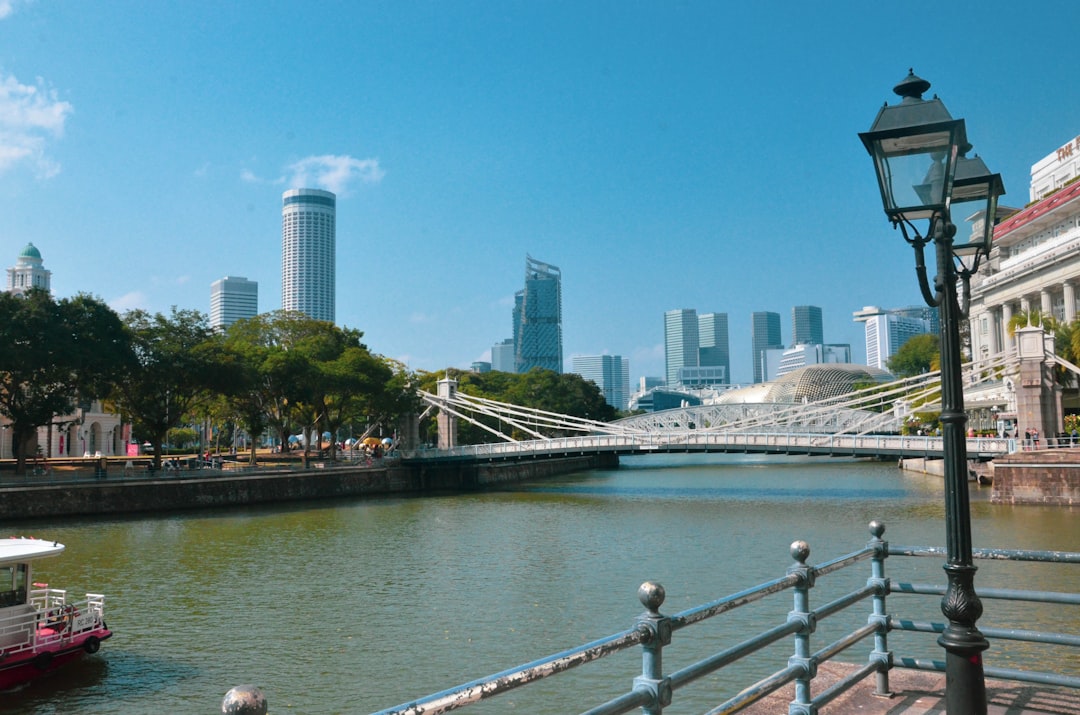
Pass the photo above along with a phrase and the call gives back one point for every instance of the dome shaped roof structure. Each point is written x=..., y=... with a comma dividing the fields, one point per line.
x=30, y=251
x=808, y=384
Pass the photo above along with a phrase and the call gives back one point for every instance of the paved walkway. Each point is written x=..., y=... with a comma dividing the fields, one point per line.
x=917, y=692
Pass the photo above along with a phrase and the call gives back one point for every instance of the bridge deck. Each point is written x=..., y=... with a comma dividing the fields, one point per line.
x=838, y=445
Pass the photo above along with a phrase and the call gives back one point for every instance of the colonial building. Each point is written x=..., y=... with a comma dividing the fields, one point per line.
x=90, y=430
x=1035, y=260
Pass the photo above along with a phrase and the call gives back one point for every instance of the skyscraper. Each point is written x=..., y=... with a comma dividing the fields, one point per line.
x=502, y=356
x=764, y=335
x=611, y=373
x=888, y=330
x=232, y=298
x=681, y=342
x=308, y=262
x=713, y=342
x=28, y=271
x=806, y=326
x=538, y=318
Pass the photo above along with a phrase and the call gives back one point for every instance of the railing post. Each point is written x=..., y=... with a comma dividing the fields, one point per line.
x=881, y=654
x=652, y=594
x=801, y=705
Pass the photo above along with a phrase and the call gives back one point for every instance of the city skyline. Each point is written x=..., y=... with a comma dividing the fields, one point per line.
x=578, y=145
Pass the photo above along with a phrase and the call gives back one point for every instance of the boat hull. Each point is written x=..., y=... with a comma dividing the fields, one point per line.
x=21, y=667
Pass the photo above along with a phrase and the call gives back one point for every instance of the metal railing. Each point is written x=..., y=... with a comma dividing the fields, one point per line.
x=655, y=689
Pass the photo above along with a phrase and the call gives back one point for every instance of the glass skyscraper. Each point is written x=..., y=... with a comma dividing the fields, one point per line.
x=308, y=252
x=232, y=298
x=764, y=335
x=713, y=342
x=806, y=326
x=681, y=342
x=611, y=373
x=538, y=318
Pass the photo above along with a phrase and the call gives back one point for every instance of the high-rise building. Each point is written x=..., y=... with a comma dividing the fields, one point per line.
x=233, y=298
x=806, y=326
x=681, y=342
x=888, y=330
x=610, y=373
x=764, y=335
x=713, y=343
x=502, y=356
x=538, y=318
x=308, y=261
x=28, y=272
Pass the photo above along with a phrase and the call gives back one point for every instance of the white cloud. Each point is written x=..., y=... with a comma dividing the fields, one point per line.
x=248, y=177
x=129, y=301
x=333, y=173
x=6, y=8
x=30, y=115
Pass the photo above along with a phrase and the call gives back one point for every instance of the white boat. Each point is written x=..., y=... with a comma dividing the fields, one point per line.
x=40, y=628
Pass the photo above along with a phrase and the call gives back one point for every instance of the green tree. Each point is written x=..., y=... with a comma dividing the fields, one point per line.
x=54, y=351
x=176, y=364
x=920, y=354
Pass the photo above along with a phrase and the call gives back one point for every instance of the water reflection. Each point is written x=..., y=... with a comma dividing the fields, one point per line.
x=356, y=605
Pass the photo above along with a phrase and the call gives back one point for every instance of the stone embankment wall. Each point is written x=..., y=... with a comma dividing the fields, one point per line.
x=1046, y=476
x=122, y=496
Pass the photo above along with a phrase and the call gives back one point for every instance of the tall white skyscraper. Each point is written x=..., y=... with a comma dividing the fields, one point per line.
x=308, y=248
x=232, y=298
x=888, y=330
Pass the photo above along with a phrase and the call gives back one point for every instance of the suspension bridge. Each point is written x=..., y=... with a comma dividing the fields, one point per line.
x=864, y=423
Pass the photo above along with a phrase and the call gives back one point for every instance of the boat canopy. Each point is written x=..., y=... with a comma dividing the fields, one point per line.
x=19, y=549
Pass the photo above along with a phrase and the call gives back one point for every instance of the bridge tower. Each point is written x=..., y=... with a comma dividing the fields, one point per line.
x=1038, y=395
x=447, y=423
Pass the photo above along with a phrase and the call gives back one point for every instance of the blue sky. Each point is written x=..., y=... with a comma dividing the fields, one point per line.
x=664, y=155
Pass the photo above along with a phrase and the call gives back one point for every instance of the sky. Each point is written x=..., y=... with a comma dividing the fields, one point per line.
x=662, y=154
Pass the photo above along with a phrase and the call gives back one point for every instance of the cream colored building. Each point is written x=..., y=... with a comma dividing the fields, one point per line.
x=1035, y=260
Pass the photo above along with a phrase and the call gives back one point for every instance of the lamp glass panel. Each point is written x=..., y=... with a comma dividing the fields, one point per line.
x=915, y=170
x=970, y=210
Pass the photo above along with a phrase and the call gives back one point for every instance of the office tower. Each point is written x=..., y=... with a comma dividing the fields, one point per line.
x=764, y=335
x=502, y=356
x=610, y=373
x=713, y=343
x=538, y=318
x=806, y=327
x=308, y=268
x=888, y=330
x=232, y=298
x=28, y=272
x=681, y=342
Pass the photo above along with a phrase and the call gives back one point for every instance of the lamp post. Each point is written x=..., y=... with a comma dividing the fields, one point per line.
x=919, y=154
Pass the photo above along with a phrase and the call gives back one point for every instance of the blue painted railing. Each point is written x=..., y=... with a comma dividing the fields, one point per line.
x=654, y=689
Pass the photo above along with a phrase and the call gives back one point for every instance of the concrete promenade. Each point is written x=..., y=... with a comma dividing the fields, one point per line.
x=917, y=692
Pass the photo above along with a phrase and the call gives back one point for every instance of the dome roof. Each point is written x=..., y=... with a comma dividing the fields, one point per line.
x=30, y=252
x=808, y=384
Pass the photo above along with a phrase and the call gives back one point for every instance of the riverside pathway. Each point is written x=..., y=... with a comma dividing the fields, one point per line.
x=917, y=692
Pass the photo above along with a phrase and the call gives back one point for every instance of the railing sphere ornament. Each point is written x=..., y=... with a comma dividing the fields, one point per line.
x=651, y=594
x=800, y=551
x=244, y=700
x=877, y=529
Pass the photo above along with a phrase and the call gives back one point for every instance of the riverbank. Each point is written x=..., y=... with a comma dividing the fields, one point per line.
x=78, y=494
x=1045, y=477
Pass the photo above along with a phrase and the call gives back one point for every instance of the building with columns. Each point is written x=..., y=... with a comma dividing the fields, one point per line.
x=1034, y=264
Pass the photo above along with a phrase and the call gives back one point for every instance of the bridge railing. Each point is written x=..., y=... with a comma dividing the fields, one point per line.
x=705, y=441
x=655, y=689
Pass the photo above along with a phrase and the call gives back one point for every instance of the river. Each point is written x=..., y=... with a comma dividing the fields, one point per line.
x=361, y=604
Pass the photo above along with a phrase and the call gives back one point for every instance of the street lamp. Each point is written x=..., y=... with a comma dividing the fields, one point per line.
x=919, y=154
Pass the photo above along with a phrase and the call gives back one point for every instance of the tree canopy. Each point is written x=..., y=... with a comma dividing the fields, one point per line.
x=55, y=352
x=920, y=354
